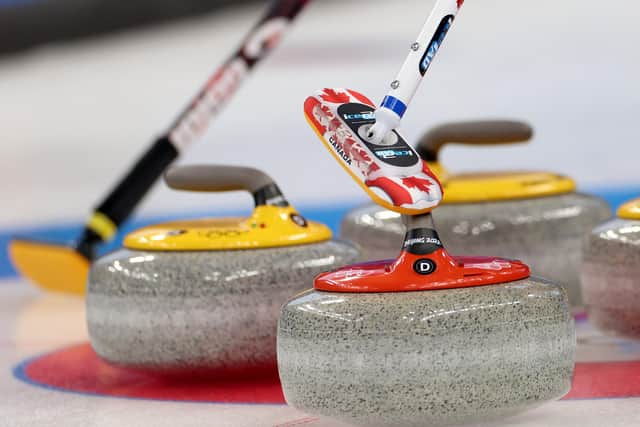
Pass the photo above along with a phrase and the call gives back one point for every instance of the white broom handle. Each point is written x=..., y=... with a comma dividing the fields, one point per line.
x=421, y=55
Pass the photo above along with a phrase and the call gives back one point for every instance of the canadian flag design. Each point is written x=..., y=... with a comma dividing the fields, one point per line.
x=412, y=189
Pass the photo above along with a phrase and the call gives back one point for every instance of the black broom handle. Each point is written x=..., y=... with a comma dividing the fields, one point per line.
x=191, y=123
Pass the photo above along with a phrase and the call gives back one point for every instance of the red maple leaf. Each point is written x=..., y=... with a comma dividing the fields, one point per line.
x=331, y=95
x=399, y=196
x=334, y=124
x=348, y=146
x=326, y=110
x=360, y=97
x=364, y=155
x=430, y=174
x=418, y=183
x=309, y=106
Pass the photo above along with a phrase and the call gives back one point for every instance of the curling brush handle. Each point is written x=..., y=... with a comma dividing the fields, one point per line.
x=216, y=178
x=115, y=209
x=421, y=54
x=482, y=132
x=221, y=87
x=190, y=125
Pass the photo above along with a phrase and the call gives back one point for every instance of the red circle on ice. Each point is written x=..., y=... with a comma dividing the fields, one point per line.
x=79, y=369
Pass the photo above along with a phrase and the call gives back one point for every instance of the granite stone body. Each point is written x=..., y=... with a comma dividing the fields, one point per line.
x=427, y=358
x=546, y=233
x=611, y=277
x=173, y=312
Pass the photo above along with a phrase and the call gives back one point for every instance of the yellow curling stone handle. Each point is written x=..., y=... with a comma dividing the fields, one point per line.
x=630, y=210
x=273, y=223
x=491, y=186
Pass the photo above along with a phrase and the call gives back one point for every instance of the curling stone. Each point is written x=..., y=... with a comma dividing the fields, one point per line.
x=204, y=295
x=534, y=216
x=426, y=339
x=611, y=273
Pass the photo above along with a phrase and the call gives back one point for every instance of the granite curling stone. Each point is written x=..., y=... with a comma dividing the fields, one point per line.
x=204, y=295
x=388, y=344
x=533, y=216
x=611, y=273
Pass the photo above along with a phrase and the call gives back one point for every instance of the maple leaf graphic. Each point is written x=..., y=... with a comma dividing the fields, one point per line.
x=399, y=196
x=331, y=95
x=334, y=124
x=315, y=114
x=430, y=174
x=418, y=183
x=326, y=110
x=360, y=97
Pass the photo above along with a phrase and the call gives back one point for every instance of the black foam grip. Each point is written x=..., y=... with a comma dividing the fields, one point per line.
x=270, y=195
x=135, y=185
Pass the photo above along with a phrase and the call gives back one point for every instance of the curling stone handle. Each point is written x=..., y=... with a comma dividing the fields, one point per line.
x=218, y=178
x=482, y=132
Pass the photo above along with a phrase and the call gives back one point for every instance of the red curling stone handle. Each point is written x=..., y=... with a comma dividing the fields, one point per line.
x=423, y=265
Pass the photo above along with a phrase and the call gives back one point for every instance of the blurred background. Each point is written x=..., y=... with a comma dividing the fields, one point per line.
x=85, y=85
